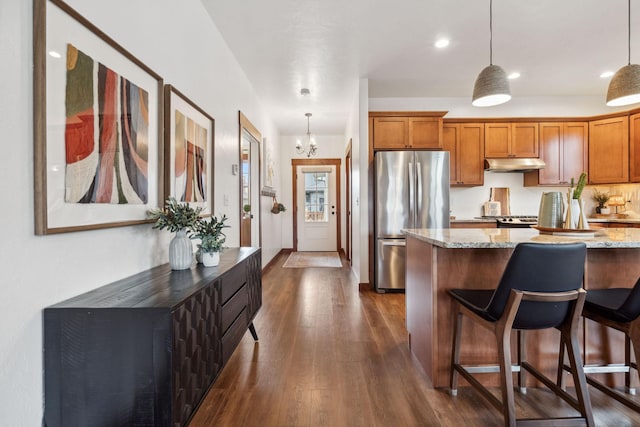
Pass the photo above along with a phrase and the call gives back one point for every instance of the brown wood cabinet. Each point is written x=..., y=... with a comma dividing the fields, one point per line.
x=519, y=139
x=634, y=148
x=609, y=150
x=398, y=130
x=465, y=142
x=564, y=149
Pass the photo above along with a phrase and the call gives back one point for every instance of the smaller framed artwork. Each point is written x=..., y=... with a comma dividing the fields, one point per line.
x=188, y=151
x=97, y=126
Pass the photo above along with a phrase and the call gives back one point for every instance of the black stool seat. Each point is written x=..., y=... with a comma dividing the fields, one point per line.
x=616, y=304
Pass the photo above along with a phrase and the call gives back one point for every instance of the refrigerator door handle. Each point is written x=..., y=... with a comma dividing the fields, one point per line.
x=412, y=196
x=418, y=190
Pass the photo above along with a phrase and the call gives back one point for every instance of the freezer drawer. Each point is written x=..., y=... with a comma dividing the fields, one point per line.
x=390, y=264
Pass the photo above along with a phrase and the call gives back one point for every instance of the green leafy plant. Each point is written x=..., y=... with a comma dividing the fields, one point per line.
x=582, y=181
x=246, y=208
x=210, y=234
x=600, y=197
x=175, y=216
x=277, y=207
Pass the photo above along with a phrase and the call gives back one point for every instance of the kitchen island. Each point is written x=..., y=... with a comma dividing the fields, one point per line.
x=442, y=259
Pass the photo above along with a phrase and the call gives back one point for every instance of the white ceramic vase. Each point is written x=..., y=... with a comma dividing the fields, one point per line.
x=210, y=259
x=180, y=251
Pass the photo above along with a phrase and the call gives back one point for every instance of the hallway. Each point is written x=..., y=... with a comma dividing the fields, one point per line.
x=330, y=355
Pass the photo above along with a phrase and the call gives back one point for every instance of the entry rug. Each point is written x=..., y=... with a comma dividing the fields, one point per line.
x=313, y=259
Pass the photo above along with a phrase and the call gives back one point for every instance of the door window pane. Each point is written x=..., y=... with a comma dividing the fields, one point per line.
x=316, y=193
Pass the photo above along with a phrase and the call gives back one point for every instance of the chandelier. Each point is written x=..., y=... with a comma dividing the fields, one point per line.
x=312, y=147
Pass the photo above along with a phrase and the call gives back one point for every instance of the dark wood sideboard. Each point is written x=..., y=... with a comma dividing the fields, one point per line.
x=144, y=350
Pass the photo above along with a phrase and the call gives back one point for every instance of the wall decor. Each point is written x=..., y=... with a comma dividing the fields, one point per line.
x=188, y=151
x=97, y=126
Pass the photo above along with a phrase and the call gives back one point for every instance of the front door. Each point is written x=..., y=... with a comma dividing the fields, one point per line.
x=317, y=211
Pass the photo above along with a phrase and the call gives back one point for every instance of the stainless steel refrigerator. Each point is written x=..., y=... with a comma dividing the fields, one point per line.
x=411, y=191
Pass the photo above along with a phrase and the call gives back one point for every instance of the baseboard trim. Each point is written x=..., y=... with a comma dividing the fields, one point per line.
x=274, y=260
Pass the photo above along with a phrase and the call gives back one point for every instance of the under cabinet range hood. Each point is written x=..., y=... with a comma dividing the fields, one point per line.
x=513, y=164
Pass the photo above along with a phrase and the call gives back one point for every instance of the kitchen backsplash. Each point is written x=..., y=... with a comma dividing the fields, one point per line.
x=466, y=203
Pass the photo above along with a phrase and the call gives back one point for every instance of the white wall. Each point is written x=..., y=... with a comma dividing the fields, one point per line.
x=178, y=41
x=329, y=147
x=361, y=187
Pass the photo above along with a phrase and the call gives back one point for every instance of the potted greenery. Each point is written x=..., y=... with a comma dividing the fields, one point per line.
x=277, y=207
x=601, y=198
x=179, y=218
x=211, y=239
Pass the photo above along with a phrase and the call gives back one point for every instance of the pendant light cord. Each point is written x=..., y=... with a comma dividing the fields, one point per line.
x=491, y=32
x=629, y=31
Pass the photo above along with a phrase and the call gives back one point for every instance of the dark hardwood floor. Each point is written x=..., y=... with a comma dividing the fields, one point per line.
x=331, y=355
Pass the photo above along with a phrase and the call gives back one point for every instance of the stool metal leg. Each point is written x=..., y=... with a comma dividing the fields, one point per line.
x=455, y=351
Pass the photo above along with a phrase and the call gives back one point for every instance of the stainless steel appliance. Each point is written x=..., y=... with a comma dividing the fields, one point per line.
x=516, y=221
x=411, y=191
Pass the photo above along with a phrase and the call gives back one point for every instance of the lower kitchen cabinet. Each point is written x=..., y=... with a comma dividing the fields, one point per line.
x=144, y=350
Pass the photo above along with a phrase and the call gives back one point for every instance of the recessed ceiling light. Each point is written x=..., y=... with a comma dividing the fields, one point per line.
x=606, y=74
x=55, y=54
x=441, y=43
x=513, y=75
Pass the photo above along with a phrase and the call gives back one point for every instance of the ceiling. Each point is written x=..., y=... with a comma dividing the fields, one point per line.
x=559, y=47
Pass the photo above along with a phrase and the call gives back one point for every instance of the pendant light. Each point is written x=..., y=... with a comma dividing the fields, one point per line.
x=492, y=86
x=312, y=145
x=624, y=88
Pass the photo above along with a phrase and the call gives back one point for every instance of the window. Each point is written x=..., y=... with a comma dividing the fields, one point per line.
x=316, y=207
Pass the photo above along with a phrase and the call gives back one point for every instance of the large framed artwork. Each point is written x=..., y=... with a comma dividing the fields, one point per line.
x=188, y=151
x=97, y=126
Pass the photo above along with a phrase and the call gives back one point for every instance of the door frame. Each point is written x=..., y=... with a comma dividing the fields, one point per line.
x=347, y=202
x=315, y=162
x=245, y=123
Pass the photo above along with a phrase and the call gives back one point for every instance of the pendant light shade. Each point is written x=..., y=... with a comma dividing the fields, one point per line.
x=624, y=87
x=492, y=85
x=491, y=88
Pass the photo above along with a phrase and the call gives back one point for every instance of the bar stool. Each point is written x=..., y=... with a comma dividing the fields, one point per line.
x=619, y=309
x=540, y=288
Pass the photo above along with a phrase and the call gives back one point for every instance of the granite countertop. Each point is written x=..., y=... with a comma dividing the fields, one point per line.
x=509, y=237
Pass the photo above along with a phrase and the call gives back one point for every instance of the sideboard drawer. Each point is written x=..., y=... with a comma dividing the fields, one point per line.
x=234, y=334
x=233, y=307
x=232, y=281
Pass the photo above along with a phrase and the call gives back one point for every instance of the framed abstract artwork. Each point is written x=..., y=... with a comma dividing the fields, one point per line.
x=98, y=124
x=188, y=151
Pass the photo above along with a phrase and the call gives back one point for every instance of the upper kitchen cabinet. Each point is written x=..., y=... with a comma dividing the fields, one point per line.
x=519, y=139
x=465, y=143
x=564, y=150
x=634, y=148
x=609, y=151
x=407, y=130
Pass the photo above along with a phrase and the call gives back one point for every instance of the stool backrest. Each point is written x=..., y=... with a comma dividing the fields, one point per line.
x=540, y=267
x=631, y=306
